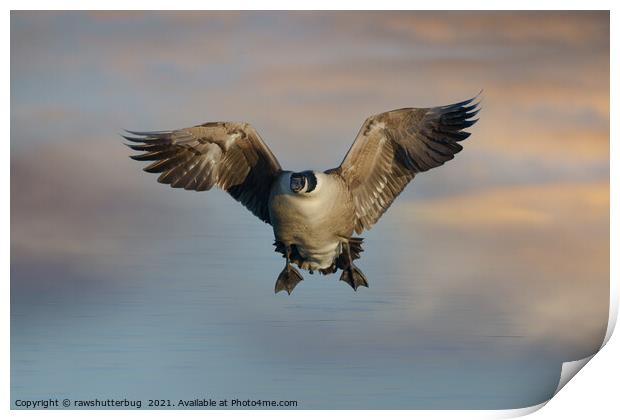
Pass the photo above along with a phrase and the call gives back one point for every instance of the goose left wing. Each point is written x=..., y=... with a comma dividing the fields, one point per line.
x=229, y=155
x=394, y=146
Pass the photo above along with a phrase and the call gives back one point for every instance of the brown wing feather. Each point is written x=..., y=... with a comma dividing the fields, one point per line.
x=392, y=147
x=229, y=155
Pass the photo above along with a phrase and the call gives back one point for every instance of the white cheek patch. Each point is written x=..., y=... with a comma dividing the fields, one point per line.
x=320, y=180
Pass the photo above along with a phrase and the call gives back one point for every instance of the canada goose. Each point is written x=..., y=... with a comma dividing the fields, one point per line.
x=313, y=214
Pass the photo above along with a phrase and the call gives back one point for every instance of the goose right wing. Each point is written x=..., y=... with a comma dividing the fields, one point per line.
x=394, y=146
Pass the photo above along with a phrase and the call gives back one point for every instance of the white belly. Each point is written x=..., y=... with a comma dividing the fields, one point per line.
x=310, y=221
x=322, y=257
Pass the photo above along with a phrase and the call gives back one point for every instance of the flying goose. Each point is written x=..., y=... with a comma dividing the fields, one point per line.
x=313, y=214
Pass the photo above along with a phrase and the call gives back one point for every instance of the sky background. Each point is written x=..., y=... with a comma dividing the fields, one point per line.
x=485, y=275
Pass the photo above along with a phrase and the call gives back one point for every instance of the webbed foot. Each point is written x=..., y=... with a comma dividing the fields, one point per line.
x=288, y=279
x=354, y=277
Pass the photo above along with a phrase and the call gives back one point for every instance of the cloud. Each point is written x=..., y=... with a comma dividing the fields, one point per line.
x=525, y=28
x=66, y=201
x=537, y=255
x=523, y=206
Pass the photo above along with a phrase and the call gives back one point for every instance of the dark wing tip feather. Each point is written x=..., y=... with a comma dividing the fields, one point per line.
x=457, y=117
x=147, y=141
x=473, y=102
x=147, y=133
x=477, y=99
x=457, y=105
x=133, y=139
x=467, y=123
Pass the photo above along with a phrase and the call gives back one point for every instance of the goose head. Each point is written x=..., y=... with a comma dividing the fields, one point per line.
x=303, y=182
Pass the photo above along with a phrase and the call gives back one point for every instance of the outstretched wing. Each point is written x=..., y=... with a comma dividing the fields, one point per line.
x=392, y=147
x=229, y=155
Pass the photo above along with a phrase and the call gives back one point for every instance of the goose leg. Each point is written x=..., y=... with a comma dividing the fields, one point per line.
x=352, y=275
x=289, y=277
